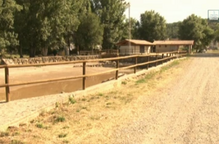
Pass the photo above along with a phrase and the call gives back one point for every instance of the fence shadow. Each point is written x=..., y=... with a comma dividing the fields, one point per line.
x=2, y=102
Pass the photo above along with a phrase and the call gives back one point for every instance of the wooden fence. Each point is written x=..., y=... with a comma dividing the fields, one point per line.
x=159, y=58
x=102, y=52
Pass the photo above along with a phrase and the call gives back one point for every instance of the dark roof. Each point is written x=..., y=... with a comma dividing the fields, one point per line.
x=136, y=42
x=174, y=42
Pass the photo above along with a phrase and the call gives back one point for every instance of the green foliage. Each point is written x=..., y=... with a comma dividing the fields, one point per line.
x=216, y=34
x=8, y=38
x=90, y=32
x=174, y=63
x=16, y=142
x=43, y=24
x=62, y=135
x=140, y=81
x=72, y=100
x=152, y=26
x=111, y=13
x=60, y=119
x=197, y=29
x=124, y=82
x=134, y=25
x=172, y=30
x=39, y=125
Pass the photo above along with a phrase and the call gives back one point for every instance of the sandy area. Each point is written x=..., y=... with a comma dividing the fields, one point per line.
x=50, y=72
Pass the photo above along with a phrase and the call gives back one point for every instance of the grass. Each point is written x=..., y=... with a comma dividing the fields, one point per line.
x=4, y=134
x=16, y=142
x=124, y=82
x=16, y=134
x=65, y=141
x=39, y=125
x=72, y=100
x=146, y=78
x=60, y=119
x=62, y=135
x=174, y=63
x=100, y=94
x=151, y=75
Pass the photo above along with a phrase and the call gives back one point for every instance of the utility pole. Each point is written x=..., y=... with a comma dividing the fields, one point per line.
x=129, y=25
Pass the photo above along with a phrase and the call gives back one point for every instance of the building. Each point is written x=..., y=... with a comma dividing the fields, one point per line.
x=134, y=47
x=172, y=45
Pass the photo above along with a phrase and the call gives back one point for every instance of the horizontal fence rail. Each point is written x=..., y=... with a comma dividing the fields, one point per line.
x=159, y=57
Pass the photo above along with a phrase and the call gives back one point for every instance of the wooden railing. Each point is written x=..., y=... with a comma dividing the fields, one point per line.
x=160, y=57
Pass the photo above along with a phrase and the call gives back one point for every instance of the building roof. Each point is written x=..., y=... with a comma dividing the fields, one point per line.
x=136, y=42
x=174, y=42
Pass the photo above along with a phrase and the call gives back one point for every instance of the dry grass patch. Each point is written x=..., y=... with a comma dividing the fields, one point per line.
x=89, y=119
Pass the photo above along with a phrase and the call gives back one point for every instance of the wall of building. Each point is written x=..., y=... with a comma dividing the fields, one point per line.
x=125, y=50
x=166, y=48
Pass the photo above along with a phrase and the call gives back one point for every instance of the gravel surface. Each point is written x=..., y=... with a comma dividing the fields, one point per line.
x=15, y=111
x=183, y=112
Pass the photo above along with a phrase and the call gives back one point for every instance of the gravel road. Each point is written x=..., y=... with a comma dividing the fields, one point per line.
x=183, y=112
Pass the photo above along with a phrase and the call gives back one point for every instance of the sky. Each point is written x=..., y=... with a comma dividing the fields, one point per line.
x=173, y=10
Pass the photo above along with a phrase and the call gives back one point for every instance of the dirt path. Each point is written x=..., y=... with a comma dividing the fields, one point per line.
x=185, y=111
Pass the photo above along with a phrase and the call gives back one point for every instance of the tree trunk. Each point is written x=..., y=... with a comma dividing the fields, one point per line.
x=21, y=52
x=69, y=45
x=44, y=51
x=32, y=51
x=78, y=50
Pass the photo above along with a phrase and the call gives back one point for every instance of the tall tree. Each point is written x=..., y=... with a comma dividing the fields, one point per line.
x=197, y=29
x=133, y=27
x=8, y=38
x=111, y=13
x=90, y=32
x=172, y=30
x=152, y=26
x=217, y=33
x=43, y=24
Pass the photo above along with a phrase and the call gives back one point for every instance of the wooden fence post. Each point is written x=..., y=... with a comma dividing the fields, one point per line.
x=156, y=59
x=117, y=71
x=136, y=62
x=7, y=89
x=84, y=78
x=162, y=58
x=148, y=61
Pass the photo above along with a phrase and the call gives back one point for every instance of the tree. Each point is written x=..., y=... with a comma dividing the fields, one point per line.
x=215, y=26
x=111, y=13
x=134, y=29
x=43, y=24
x=172, y=30
x=197, y=29
x=8, y=38
x=152, y=26
x=216, y=34
x=90, y=32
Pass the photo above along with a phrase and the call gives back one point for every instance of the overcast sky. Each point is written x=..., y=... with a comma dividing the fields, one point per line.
x=173, y=10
